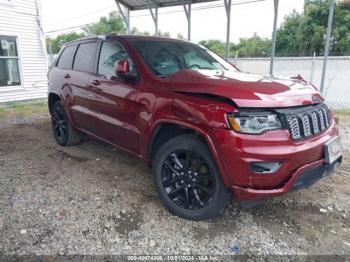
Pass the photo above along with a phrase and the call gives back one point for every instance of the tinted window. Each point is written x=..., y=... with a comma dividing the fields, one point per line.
x=110, y=54
x=168, y=57
x=66, y=59
x=85, y=57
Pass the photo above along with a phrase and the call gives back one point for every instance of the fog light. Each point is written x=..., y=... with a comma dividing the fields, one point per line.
x=265, y=167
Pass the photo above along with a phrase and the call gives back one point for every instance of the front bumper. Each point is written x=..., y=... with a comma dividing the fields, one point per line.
x=238, y=151
x=302, y=178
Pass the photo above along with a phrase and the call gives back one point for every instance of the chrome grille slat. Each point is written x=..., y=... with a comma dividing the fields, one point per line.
x=309, y=122
x=325, y=113
x=321, y=118
x=315, y=126
x=294, y=127
x=306, y=125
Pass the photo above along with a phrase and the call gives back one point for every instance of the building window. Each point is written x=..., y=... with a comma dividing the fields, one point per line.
x=9, y=62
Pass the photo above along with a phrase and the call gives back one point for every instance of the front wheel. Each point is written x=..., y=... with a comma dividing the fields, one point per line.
x=63, y=131
x=187, y=180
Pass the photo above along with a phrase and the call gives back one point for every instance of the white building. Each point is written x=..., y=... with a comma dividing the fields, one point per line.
x=23, y=63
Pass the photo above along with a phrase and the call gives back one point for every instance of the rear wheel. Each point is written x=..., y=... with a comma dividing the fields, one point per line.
x=187, y=180
x=64, y=133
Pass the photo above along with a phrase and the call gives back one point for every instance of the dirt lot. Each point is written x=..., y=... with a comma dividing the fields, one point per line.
x=93, y=199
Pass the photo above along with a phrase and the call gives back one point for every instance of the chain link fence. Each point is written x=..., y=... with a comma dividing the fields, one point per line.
x=337, y=90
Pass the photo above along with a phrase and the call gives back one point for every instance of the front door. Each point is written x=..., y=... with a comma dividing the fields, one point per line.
x=113, y=100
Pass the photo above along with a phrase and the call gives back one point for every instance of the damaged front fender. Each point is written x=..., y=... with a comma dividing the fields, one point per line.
x=203, y=109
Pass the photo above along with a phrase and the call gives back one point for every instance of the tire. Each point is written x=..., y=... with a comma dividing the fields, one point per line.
x=209, y=195
x=63, y=131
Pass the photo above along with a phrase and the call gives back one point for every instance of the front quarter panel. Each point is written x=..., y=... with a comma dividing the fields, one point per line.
x=202, y=112
x=200, y=115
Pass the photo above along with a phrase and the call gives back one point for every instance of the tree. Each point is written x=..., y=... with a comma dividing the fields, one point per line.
x=59, y=41
x=165, y=34
x=113, y=24
x=135, y=31
x=303, y=34
x=180, y=36
x=254, y=46
x=216, y=46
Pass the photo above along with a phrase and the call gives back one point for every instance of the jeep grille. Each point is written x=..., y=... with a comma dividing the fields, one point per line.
x=308, y=122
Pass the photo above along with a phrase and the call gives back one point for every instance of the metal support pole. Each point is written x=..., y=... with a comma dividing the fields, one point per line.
x=228, y=14
x=313, y=68
x=126, y=17
x=189, y=20
x=154, y=17
x=274, y=33
x=328, y=37
x=156, y=22
x=188, y=16
x=236, y=56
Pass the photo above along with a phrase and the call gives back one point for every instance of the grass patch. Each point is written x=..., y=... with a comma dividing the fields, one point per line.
x=23, y=109
x=343, y=115
x=344, y=112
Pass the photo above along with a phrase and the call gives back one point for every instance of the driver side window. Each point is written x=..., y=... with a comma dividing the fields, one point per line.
x=110, y=54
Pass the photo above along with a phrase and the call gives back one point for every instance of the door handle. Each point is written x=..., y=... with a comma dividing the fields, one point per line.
x=95, y=82
x=66, y=76
x=92, y=96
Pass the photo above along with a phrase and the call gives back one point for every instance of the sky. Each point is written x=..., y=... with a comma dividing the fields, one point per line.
x=246, y=19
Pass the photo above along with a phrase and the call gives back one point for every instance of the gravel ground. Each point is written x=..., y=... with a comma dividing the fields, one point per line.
x=94, y=199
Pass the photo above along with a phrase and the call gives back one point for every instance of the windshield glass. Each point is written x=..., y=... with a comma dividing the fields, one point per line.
x=167, y=57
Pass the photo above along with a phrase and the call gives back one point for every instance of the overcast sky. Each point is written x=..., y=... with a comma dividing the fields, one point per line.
x=206, y=24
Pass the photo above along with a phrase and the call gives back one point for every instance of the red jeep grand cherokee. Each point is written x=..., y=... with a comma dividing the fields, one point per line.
x=208, y=130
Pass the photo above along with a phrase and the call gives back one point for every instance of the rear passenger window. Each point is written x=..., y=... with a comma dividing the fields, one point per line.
x=85, y=57
x=66, y=59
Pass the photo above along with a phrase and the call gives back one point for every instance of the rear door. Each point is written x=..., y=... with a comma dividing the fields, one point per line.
x=60, y=74
x=83, y=69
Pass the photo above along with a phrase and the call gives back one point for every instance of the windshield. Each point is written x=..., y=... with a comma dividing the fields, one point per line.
x=168, y=57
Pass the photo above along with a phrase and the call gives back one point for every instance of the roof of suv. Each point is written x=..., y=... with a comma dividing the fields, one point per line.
x=128, y=37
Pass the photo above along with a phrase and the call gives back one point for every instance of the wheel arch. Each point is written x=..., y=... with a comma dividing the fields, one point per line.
x=53, y=98
x=160, y=136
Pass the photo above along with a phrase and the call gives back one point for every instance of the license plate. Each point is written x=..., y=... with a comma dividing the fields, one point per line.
x=332, y=150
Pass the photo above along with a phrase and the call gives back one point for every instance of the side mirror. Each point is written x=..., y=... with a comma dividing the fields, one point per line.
x=122, y=70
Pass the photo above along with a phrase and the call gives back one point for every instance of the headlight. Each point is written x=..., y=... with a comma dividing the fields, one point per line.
x=254, y=123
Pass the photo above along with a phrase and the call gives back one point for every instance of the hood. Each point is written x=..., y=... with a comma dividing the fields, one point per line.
x=246, y=90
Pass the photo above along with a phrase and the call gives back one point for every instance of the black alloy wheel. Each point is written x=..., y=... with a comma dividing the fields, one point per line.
x=59, y=123
x=62, y=129
x=187, y=179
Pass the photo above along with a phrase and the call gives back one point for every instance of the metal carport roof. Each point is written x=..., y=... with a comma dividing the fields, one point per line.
x=133, y=5
x=153, y=5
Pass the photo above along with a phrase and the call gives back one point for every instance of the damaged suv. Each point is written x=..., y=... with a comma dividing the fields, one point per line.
x=208, y=130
